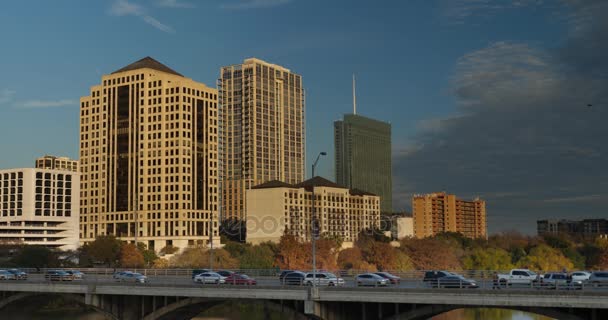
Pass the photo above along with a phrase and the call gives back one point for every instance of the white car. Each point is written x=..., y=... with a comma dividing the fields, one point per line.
x=323, y=279
x=580, y=276
x=209, y=278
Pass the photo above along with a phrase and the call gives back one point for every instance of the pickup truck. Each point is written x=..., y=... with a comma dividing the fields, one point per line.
x=516, y=276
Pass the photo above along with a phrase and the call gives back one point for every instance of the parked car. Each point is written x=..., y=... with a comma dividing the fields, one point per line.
x=58, y=275
x=198, y=271
x=237, y=279
x=128, y=276
x=294, y=278
x=555, y=280
x=455, y=281
x=599, y=279
x=225, y=273
x=430, y=277
x=517, y=276
x=209, y=277
x=323, y=279
x=19, y=274
x=580, y=276
x=76, y=275
x=6, y=275
x=284, y=273
x=393, y=279
x=371, y=279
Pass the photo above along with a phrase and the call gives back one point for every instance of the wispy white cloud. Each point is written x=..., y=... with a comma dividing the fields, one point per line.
x=121, y=8
x=174, y=4
x=35, y=104
x=6, y=96
x=584, y=198
x=255, y=4
x=463, y=9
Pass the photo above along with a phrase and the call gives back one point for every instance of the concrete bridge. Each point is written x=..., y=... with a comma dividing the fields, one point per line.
x=159, y=302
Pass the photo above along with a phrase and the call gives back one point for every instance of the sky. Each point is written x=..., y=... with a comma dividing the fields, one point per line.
x=504, y=100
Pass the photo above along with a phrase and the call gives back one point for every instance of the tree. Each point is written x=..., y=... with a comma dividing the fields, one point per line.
x=487, y=259
x=36, y=257
x=199, y=258
x=130, y=256
x=105, y=249
x=351, y=258
x=257, y=257
x=380, y=254
x=149, y=255
x=545, y=258
x=431, y=254
x=292, y=254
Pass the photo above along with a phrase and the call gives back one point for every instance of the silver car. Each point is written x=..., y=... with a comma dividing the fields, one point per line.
x=323, y=279
x=370, y=279
x=580, y=276
x=209, y=278
x=599, y=279
x=128, y=276
x=5, y=275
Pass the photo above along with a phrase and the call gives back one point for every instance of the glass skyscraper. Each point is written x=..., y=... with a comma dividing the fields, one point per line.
x=363, y=156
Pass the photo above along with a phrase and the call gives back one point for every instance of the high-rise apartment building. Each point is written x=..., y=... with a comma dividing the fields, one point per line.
x=262, y=130
x=149, y=158
x=363, y=156
x=40, y=207
x=440, y=212
x=57, y=163
x=275, y=207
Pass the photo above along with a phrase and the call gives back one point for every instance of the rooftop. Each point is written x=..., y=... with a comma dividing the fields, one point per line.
x=149, y=63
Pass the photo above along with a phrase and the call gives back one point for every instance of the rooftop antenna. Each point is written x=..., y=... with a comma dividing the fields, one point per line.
x=354, y=96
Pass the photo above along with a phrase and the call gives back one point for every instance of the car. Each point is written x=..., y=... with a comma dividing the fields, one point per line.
x=554, y=280
x=237, y=279
x=118, y=274
x=128, y=276
x=19, y=275
x=580, y=276
x=209, y=277
x=57, y=275
x=430, y=277
x=323, y=279
x=294, y=278
x=284, y=273
x=598, y=279
x=225, y=273
x=517, y=276
x=6, y=275
x=76, y=275
x=393, y=279
x=371, y=279
x=455, y=281
x=198, y=271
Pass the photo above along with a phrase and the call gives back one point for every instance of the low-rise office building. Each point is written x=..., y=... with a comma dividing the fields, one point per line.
x=402, y=227
x=275, y=208
x=585, y=228
x=40, y=207
x=57, y=163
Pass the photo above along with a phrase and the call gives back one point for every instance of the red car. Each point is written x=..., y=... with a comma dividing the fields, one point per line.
x=240, y=279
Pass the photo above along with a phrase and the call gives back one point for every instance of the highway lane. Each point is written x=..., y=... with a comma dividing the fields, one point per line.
x=186, y=281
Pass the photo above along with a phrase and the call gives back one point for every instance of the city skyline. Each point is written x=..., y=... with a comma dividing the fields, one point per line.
x=510, y=113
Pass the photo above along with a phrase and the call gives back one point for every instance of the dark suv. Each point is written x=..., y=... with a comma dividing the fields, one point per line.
x=430, y=277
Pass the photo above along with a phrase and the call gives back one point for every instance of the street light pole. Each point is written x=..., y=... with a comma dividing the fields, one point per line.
x=315, y=225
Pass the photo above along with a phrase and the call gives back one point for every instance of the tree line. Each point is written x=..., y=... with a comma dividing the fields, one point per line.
x=371, y=252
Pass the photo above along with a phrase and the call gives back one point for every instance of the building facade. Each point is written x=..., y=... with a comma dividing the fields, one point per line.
x=363, y=156
x=586, y=228
x=40, y=207
x=149, y=158
x=57, y=163
x=262, y=130
x=277, y=207
x=440, y=212
x=402, y=227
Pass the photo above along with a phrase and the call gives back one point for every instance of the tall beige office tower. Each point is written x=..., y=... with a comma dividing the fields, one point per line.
x=149, y=159
x=262, y=138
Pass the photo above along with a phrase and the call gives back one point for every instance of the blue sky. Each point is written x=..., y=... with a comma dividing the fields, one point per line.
x=426, y=66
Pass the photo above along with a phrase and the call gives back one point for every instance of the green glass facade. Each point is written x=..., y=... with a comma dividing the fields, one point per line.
x=363, y=156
